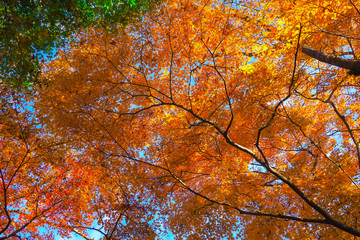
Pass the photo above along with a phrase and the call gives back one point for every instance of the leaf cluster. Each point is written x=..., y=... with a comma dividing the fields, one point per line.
x=32, y=31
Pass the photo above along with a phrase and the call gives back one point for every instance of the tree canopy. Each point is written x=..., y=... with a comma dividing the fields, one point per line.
x=209, y=119
x=31, y=31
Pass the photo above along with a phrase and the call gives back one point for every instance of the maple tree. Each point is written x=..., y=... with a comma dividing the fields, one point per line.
x=213, y=119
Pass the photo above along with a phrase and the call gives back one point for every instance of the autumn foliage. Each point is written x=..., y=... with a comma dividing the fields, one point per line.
x=205, y=120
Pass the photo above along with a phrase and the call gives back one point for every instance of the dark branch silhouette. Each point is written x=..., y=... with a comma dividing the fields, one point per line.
x=350, y=64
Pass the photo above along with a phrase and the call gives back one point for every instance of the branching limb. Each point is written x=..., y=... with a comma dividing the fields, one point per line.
x=5, y=204
x=352, y=65
x=342, y=117
x=319, y=148
x=255, y=213
x=14, y=233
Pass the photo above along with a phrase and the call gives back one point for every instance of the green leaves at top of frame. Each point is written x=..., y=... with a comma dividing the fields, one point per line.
x=32, y=30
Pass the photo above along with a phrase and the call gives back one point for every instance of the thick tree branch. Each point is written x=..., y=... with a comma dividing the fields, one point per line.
x=255, y=213
x=350, y=64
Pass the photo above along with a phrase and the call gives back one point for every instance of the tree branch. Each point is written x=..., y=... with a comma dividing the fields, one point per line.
x=350, y=64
